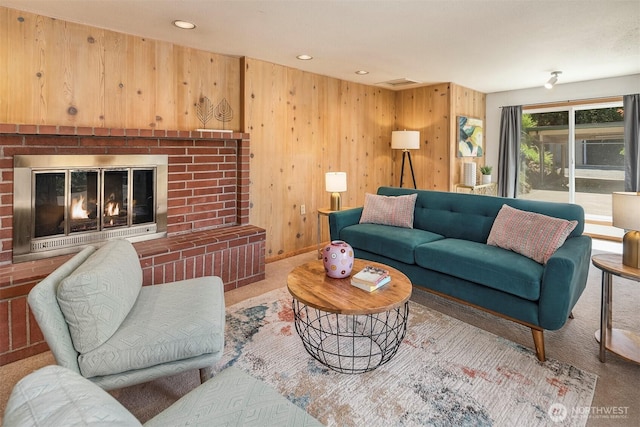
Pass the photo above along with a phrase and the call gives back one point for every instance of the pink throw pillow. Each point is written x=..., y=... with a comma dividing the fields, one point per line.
x=531, y=234
x=389, y=210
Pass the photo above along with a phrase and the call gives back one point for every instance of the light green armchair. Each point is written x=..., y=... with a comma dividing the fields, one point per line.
x=100, y=322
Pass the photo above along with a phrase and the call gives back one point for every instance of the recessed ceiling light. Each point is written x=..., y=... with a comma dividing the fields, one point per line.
x=304, y=57
x=362, y=72
x=185, y=25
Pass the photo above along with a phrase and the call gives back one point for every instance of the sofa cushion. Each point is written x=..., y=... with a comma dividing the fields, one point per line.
x=166, y=324
x=98, y=295
x=531, y=234
x=483, y=264
x=233, y=398
x=394, y=242
x=389, y=210
x=57, y=396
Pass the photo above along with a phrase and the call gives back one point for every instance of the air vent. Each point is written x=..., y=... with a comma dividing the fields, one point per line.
x=400, y=82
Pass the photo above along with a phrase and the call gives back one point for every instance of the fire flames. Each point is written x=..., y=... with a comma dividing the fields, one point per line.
x=77, y=209
x=112, y=209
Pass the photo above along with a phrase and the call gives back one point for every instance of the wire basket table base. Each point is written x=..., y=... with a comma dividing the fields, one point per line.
x=347, y=343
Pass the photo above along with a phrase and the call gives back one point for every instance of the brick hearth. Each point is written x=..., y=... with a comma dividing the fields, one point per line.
x=208, y=230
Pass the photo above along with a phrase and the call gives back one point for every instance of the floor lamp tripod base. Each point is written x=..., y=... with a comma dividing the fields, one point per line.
x=406, y=153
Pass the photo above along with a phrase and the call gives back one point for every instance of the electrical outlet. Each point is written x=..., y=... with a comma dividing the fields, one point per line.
x=303, y=210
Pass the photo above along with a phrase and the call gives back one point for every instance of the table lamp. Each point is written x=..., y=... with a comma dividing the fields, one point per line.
x=335, y=183
x=406, y=140
x=626, y=215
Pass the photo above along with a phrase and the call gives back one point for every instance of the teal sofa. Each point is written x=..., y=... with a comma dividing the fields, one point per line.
x=446, y=253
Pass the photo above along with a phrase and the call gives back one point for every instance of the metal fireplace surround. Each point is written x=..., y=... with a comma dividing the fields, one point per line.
x=65, y=202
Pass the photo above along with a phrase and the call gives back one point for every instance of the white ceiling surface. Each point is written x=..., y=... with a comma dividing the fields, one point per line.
x=486, y=45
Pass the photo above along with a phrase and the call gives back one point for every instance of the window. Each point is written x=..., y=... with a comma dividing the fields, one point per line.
x=575, y=154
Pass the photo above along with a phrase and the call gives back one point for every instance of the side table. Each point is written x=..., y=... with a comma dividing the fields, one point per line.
x=490, y=189
x=343, y=327
x=324, y=212
x=621, y=342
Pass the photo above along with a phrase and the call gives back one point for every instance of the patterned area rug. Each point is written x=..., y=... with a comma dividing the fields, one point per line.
x=445, y=373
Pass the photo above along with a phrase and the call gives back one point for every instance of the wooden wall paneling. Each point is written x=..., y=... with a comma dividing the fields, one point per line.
x=115, y=76
x=22, y=66
x=166, y=90
x=298, y=152
x=320, y=124
x=4, y=60
x=440, y=137
x=185, y=92
x=61, y=73
x=470, y=103
x=141, y=82
x=342, y=156
x=226, y=71
x=74, y=73
x=425, y=109
x=264, y=120
x=385, y=120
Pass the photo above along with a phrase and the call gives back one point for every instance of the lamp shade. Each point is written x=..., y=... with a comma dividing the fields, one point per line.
x=626, y=210
x=405, y=139
x=335, y=182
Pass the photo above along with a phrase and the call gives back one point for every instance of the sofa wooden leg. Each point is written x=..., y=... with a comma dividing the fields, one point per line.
x=205, y=374
x=571, y=315
x=538, y=341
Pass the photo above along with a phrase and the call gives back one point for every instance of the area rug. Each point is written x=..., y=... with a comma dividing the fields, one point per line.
x=445, y=373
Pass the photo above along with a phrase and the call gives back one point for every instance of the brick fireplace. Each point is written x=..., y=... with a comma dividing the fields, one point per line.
x=208, y=230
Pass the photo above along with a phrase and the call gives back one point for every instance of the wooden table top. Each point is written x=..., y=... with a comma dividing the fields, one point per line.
x=612, y=263
x=309, y=284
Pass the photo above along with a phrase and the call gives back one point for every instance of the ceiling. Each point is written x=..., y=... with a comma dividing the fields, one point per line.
x=486, y=45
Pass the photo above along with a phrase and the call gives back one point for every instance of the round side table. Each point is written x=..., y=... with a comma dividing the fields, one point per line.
x=343, y=327
x=621, y=342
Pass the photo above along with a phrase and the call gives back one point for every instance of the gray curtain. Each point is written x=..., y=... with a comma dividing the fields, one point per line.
x=509, y=152
x=631, y=104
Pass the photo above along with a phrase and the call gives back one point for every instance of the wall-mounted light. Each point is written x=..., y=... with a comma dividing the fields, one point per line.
x=185, y=25
x=553, y=80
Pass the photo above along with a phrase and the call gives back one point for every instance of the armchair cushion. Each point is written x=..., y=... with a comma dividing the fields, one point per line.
x=97, y=297
x=56, y=396
x=169, y=322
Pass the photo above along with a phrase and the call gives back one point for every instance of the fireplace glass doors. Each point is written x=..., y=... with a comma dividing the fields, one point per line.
x=99, y=200
x=90, y=199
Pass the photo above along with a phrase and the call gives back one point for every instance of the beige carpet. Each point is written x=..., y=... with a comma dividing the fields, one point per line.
x=617, y=385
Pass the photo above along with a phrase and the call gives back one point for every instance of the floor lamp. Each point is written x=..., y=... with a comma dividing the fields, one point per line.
x=406, y=140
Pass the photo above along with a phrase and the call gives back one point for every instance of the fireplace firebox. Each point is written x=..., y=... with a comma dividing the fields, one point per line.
x=65, y=202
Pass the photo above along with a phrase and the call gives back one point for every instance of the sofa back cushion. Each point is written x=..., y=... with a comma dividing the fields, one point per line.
x=389, y=210
x=531, y=234
x=99, y=294
x=471, y=216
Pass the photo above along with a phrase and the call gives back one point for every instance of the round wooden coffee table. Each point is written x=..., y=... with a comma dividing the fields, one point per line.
x=343, y=327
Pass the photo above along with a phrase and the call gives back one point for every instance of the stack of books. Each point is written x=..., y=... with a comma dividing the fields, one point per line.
x=370, y=278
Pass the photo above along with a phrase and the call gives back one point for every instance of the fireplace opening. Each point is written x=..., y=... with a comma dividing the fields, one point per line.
x=65, y=202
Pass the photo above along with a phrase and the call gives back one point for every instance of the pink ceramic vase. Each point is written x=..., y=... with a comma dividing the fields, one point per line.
x=337, y=257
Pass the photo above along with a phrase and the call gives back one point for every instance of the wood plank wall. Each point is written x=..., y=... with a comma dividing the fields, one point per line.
x=57, y=72
x=433, y=110
x=301, y=124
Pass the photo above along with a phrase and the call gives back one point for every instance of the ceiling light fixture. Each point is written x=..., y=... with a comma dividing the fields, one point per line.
x=553, y=80
x=304, y=57
x=185, y=25
x=362, y=72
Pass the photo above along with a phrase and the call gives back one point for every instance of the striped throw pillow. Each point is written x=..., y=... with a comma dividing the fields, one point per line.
x=531, y=234
x=389, y=210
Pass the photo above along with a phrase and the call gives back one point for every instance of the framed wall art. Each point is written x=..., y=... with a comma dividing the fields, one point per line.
x=470, y=135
